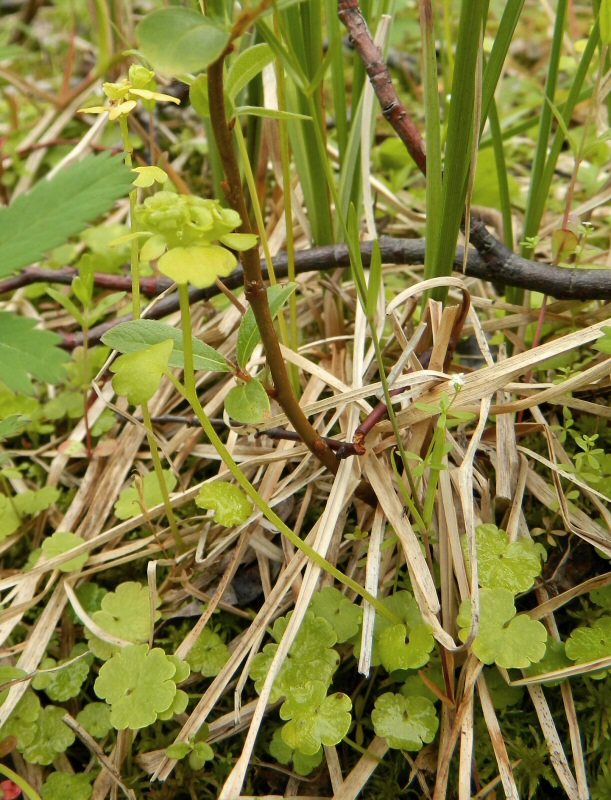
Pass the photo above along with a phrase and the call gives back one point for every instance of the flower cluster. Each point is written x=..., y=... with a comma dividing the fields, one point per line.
x=124, y=95
x=184, y=230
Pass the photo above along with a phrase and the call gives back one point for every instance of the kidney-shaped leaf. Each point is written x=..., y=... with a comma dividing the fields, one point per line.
x=177, y=40
x=248, y=403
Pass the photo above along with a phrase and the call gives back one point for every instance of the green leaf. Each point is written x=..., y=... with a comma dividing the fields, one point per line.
x=33, y=501
x=95, y=718
x=504, y=639
x=208, y=655
x=12, y=426
x=555, y=658
x=178, y=750
x=9, y=519
x=22, y=722
x=125, y=613
x=60, y=543
x=311, y=653
x=314, y=718
x=199, y=265
x=502, y=565
x=269, y=113
x=177, y=40
x=248, y=334
x=605, y=21
x=198, y=95
x=228, y=500
x=25, y=350
x=398, y=650
x=62, y=685
x=344, y=615
x=589, y=644
x=52, y=738
x=302, y=764
x=137, y=335
x=201, y=753
x=248, y=402
x=60, y=785
x=247, y=66
x=375, y=280
x=138, y=685
x=56, y=209
x=405, y=722
x=138, y=375
x=503, y=696
x=143, y=491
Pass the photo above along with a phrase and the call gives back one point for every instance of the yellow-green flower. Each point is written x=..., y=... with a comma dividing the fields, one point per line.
x=124, y=95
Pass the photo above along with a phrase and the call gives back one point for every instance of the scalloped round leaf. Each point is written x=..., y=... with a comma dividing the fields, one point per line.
x=400, y=651
x=63, y=684
x=52, y=737
x=144, y=491
x=95, y=718
x=199, y=265
x=503, y=638
x=22, y=722
x=126, y=613
x=590, y=644
x=138, y=375
x=302, y=764
x=8, y=674
x=344, y=616
x=208, y=655
x=177, y=40
x=239, y=241
x=248, y=403
x=231, y=505
x=60, y=543
x=504, y=565
x=555, y=659
x=60, y=785
x=147, y=176
x=314, y=718
x=138, y=685
x=405, y=722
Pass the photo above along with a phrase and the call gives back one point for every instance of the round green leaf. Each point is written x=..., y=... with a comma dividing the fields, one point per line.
x=138, y=375
x=248, y=402
x=60, y=543
x=177, y=40
x=60, y=785
x=199, y=265
x=95, y=718
x=589, y=644
x=405, y=722
x=52, y=738
x=208, y=655
x=231, y=505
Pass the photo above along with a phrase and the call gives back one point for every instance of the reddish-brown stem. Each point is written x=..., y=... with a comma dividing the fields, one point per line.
x=253, y=279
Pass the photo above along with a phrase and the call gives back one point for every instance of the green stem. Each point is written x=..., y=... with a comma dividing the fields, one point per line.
x=133, y=201
x=189, y=392
x=180, y=546
x=21, y=782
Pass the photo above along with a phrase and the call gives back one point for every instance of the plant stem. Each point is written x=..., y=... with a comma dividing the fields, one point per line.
x=254, y=287
x=188, y=391
x=133, y=201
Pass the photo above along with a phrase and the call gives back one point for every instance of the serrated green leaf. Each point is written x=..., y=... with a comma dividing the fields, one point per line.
x=208, y=655
x=178, y=40
x=405, y=722
x=504, y=565
x=61, y=542
x=143, y=490
x=503, y=638
x=12, y=426
x=138, y=375
x=137, y=335
x=591, y=643
x=344, y=615
x=60, y=785
x=56, y=209
x=52, y=738
x=247, y=66
x=138, y=685
x=231, y=505
x=25, y=350
x=248, y=334
x=248, y=402
x=314, y=718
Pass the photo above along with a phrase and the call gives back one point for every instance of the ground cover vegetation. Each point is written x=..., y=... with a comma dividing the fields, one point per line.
x=291, y=504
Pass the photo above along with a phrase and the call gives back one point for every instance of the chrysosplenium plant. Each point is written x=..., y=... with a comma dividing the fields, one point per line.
x=183, y=230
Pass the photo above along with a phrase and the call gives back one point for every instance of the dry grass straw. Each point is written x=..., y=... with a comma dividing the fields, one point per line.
x=336, y=390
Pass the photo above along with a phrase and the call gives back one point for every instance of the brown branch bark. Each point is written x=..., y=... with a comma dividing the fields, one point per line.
x=253, y=279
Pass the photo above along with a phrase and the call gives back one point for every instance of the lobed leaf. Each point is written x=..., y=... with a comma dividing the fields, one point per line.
x=62, y=785
x=344, y=616
x=60, y=207
x=231, y=505
x=52, y=737
x=26, y=351
x=504, y=565
x=405, y=722
x=60, y=543
x=208, y=655
x=591, y=643
x=314, y=718
x=146, y=492
x=138, y=375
